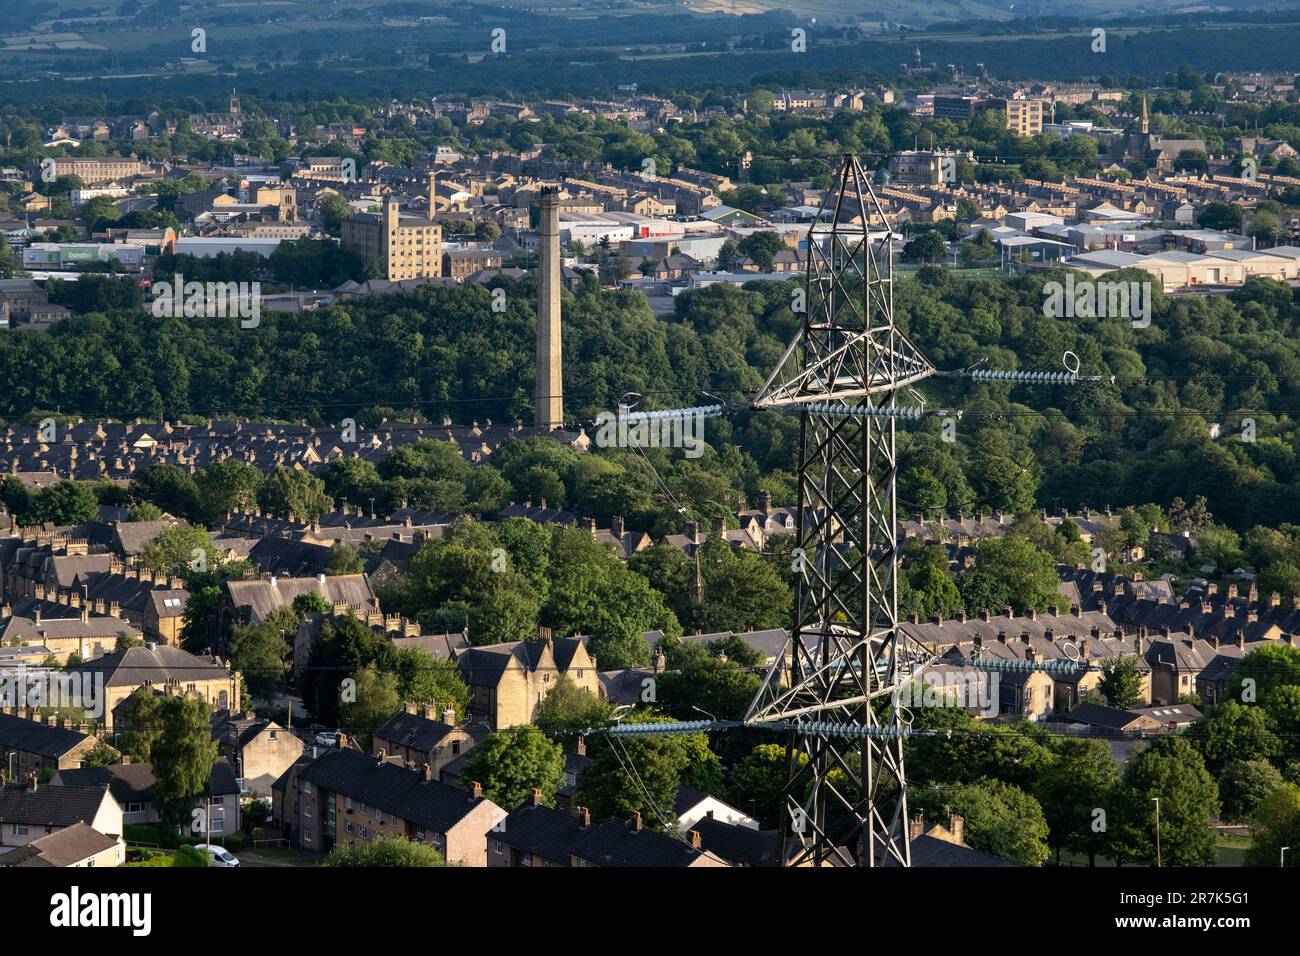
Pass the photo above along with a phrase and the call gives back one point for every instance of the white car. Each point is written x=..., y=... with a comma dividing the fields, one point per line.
x=327, y=739
x=217, y=856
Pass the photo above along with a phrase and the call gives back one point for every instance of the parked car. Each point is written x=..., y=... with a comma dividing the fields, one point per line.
x=327, y=738
x=217, y=855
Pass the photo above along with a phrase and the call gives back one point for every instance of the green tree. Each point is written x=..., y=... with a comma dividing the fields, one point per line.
x=374, y=699
x=226, y=486
x=284, y=493
x=1121, y=683
x=343, y=559
x=634, y=775
x=1233, y=732
x=511, y=763
x=1009, y=571
x=424, y=679
x=1000, y=819
x=1071, y=789
x=67, y=503
x=261, y=652
x=1243, y=785
x=179, y=550
x=182, y=755
x=1266, y=669
x=101, y=755
x=741, y=590
x=139, y=725
x=1171, y=770
x=927, y=247
x=1276, y=824
x=171, y=489
x=570, y=707
x=384, y=851
x=332, y=210
x=757, y=782
x=707, y=684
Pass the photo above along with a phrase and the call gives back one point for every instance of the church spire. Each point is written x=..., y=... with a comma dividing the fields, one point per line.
x=1146, y=117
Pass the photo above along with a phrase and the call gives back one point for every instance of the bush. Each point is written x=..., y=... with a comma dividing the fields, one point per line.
x=151, y=835
x=187, y=856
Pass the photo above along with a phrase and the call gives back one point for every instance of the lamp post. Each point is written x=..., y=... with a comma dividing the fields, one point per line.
x=1156, y=800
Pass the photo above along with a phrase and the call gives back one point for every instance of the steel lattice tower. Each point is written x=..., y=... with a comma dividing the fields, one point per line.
x=846, y=796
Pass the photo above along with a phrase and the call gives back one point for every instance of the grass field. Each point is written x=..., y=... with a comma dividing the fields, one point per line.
x=1232, y=852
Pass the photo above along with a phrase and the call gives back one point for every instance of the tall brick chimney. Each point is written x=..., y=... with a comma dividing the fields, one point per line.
x=548, y=396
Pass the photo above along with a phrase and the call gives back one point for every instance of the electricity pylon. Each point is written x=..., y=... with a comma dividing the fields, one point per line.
x=836, y=686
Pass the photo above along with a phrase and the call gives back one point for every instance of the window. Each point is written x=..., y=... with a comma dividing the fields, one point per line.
x=20, y=829
x=455, y=747
x=365, y=833
x=347, y=803
x=419, y=833
x=134, y=806
x=306, y=809
x=498, y=847
x=306, y=786
x=307, y=836
x=347, y=826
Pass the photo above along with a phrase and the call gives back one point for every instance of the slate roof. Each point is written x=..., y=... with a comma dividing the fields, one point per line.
x=564, y=649
x=739, y=846
x=115, y=450
x=48, y=805
x=392, y=788
x=157, y=664
x=617, y=843
x=293, y=559
x=135, y=781
x=1098, y=715
x=543, y=831
x=414, y=731
x=30, y=736
x=625, y=686
x=931, y=851
x=440, y=646
x=257, y=599
x=99, y=625
x=66, y=847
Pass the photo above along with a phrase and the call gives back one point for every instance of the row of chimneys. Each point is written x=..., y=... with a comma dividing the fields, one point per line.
x=50, y=720
x=430, y=712
x=584, y=817
x=1008, y=611
x=615, y=526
